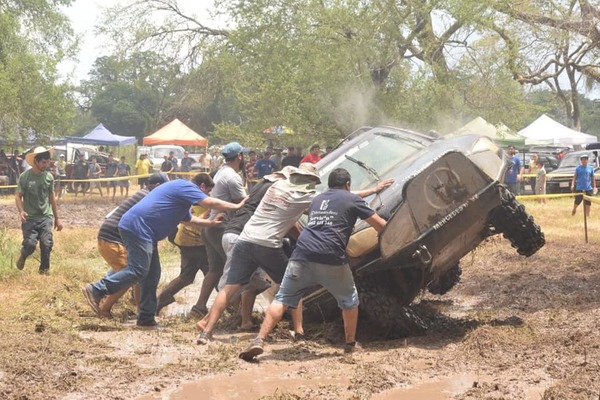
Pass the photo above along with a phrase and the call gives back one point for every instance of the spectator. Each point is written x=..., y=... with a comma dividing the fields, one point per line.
x=293, y=158
x=584, y=183
x=264, y=166
x=218, y=161
x=81, y=171
x=314, y=156
x=167, y=165
x=94, y=173
x=143, y=167
x=124, y=170
x=251, y=178
x=514, y=174
x=206, y=161
x=186, y=162
x=111, y=172
x=540, y=181
x=174, y=161
x=61, y=170
x=277, y=158
x=37, y=208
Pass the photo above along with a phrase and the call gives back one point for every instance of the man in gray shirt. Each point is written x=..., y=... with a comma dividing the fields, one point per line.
x=229, y=186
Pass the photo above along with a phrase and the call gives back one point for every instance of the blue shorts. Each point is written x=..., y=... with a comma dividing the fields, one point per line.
x=248, y=257
x=300, y=275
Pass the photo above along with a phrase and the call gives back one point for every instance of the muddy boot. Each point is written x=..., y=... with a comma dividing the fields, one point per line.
x=21, y=262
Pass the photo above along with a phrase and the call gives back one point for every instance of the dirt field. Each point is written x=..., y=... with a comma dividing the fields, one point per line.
x=514, y=328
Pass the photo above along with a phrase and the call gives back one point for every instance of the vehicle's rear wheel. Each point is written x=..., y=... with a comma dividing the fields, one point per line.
x=382, y=309
x=516, y=225
x=446, y=281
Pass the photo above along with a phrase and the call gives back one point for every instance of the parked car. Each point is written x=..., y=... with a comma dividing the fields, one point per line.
x=156, y=154
x=446, y=200
x=566, y=168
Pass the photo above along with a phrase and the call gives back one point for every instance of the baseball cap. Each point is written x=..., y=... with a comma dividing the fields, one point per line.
x=584, y=156
x=231, y=150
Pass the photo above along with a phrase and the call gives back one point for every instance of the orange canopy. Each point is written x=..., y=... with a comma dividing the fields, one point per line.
x=175, y=132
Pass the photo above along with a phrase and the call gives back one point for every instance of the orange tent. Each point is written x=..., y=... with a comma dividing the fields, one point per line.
x=175, y=132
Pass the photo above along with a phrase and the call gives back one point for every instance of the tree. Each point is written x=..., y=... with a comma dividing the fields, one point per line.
x=36, y=36
x=131, y=96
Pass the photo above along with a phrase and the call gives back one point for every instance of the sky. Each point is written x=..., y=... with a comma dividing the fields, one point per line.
x=86, y=14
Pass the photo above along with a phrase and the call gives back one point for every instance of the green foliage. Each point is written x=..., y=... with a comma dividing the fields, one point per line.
x=35, y=38
x=132, y=96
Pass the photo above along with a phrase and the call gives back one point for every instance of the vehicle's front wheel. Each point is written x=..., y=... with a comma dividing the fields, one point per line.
x=516, y=225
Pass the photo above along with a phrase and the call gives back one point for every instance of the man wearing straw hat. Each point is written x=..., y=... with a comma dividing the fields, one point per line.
x=37, y=208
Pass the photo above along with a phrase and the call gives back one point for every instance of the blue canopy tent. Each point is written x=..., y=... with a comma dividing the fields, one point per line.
x=100, y=136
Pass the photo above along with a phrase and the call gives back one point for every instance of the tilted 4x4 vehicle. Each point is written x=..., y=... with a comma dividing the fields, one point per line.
x=445, y=201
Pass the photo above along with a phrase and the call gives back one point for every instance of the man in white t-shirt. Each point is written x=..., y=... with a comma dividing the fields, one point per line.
x=261, y=243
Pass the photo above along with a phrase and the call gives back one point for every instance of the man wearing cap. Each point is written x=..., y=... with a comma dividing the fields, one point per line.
x=320, y=259
x=111, y=246
x=260, y=245
x=37, y=208
x=141, y=228
x=583, y=182
x=514, y=174
x=229, y=187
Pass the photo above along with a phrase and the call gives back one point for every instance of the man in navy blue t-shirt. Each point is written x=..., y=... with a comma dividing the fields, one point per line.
x=320, y=259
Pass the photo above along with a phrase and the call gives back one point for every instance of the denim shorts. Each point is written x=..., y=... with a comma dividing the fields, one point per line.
x=300, y=275
x=248, y=257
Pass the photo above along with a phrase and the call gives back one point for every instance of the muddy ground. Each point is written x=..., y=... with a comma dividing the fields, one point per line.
x=513, y=328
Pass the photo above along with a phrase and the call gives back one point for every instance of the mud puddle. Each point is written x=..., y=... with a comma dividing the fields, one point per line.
x=438, y=390
x=252, y=384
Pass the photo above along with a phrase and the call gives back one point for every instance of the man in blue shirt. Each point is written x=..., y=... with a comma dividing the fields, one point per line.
x=264, y=166
x=514, y=174
x=146, y=223
x=320, y=259
x=583, y=182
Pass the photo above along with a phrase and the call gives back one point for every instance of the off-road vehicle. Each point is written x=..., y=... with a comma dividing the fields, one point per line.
x=447, y=198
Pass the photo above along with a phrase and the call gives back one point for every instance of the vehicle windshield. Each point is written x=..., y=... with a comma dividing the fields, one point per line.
x=571, y=160
x=379, y=154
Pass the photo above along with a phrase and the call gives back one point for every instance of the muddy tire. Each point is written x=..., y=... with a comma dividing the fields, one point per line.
x=516, y=225
x=446, y=282
x=383, y=311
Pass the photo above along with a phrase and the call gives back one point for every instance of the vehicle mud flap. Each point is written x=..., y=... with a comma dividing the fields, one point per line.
x=516, y=225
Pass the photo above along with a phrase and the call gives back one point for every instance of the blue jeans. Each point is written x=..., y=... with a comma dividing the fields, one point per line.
x=143, y=267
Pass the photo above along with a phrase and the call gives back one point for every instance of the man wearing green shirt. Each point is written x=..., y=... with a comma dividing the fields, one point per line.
x=37, y=208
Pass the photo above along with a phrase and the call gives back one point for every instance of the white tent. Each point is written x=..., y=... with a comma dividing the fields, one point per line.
x=545, y=130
